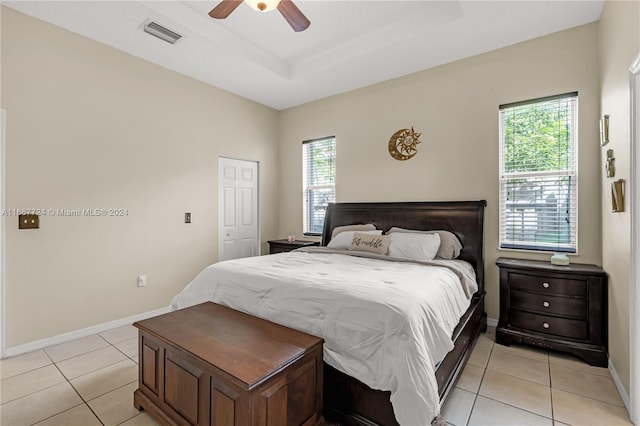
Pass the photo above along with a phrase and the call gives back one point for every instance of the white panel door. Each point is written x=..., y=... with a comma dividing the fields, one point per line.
x=238, y=209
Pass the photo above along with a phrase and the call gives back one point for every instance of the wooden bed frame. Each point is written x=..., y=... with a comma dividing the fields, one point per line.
x=351, y=402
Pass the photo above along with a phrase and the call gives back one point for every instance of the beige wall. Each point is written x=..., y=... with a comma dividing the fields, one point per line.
x=92, y=127
x=455, y=106
x=619, y=45
x=96, y=127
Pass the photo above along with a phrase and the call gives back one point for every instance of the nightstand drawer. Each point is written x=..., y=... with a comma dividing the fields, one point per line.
x=574, y=329
x=547, y=304
x=547, y=284
x=563, y=308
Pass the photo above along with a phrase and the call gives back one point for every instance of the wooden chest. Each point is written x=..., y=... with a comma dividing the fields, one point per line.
x=212, y=365
x=557, y=307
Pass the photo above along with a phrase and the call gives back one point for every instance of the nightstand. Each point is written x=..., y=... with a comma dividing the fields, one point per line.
x=280, y=246
x=555, y=307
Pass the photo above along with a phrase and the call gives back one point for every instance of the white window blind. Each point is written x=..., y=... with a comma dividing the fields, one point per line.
x=319, y=177
x=538, y=174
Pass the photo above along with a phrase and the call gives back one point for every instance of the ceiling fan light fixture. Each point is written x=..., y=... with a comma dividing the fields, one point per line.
x=262, y=5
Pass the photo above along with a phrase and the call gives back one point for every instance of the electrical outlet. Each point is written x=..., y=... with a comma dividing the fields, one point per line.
x=28, y=221
x=142, y=280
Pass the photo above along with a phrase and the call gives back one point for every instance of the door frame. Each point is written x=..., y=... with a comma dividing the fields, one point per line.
x=3, y=232
x=220, y=204
x=634, y=290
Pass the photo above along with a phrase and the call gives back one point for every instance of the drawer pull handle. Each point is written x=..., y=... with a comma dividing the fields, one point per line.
x=545, y=304
x=545, y=285
x=545, y=325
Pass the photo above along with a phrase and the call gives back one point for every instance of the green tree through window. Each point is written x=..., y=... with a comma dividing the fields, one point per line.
x=319, y=174
x=538, y=178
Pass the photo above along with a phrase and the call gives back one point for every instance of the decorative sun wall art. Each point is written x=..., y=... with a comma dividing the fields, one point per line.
x=403, y=144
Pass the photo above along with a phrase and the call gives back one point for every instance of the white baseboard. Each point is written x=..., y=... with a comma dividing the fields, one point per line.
x=78, y=334
x=623, y=393
x=492, y=322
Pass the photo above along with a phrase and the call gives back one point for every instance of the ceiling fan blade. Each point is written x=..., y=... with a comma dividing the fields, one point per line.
x=292, y=14
x=224, y=8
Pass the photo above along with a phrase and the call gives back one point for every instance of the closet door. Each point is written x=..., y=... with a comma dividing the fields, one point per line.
x=237, y=209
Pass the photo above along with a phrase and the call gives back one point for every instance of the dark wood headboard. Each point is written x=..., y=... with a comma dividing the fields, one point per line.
x=463, y=218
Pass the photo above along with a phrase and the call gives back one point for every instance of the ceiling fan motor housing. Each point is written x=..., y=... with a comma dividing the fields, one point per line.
x=287, y=9
x=263, y=5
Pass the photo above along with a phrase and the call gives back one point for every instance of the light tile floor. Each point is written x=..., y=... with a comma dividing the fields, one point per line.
x=86, y=382
x=521, y=385
x=91, y=381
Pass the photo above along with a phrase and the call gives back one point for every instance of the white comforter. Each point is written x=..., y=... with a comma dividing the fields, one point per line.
x=386, y=323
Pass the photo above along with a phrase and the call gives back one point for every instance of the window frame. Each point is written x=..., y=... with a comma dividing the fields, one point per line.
x=307, y=187
x=537, y=177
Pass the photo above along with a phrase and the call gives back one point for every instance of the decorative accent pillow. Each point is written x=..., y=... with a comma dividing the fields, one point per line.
x=339, y=229
x=370, y=242
x=450, y=245
x=414, y=246
x=343, y=240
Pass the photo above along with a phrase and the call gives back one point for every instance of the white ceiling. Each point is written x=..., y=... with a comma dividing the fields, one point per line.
x=350, y=44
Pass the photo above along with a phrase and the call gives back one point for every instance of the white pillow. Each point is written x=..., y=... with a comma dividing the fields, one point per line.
x=414, y=246
x=365, y=227
x=343, y=240
x=450, y=245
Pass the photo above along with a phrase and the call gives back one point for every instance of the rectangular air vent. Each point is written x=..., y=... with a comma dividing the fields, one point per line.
x=161, y=32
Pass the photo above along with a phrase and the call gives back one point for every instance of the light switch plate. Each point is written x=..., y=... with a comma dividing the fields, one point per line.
x=142, y=280
x=187, y=218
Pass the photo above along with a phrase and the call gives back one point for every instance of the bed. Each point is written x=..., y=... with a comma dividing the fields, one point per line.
x=375, y=340
x=346, y=399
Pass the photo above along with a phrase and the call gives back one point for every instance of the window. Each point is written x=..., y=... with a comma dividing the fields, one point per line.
x=538, y=176
x=319, y=182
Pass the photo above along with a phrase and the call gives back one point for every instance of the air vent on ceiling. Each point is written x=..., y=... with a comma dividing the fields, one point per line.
x=161, y=32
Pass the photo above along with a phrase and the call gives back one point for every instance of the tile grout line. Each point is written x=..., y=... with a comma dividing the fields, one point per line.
x=549, y=364
x=517, y=377
x=579, y=394
x=68, y=380
x=75, y=390
x=475, y=398
x=76, y=355
x=553, y=414
x=128, y=357
x=502, y=402
x=36, y=391
x=590, y=398
x=518, y=408
x=84, y=401
x=484, y=371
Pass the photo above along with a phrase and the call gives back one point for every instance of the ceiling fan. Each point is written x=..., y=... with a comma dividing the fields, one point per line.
x=289, y=11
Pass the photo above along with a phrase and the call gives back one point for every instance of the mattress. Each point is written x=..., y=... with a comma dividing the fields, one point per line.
x=386, y=322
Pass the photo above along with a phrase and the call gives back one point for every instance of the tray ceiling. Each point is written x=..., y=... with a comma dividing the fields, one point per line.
x=350, y=44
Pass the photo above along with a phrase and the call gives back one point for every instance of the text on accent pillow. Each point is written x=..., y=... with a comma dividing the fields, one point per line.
x=369, y=242
x=343, y=240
